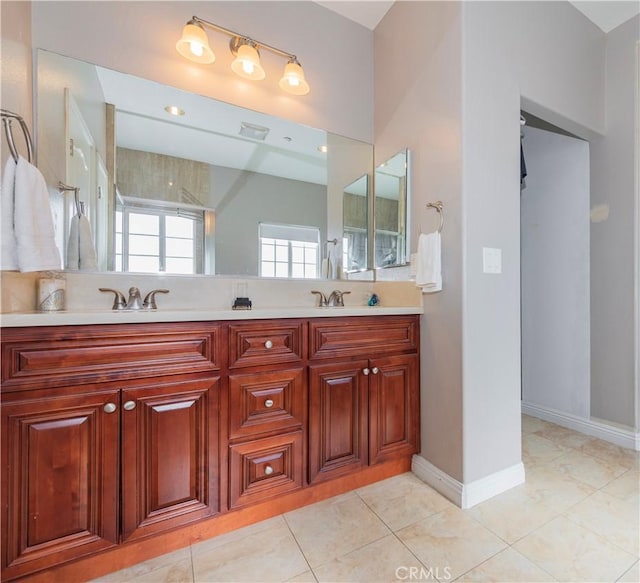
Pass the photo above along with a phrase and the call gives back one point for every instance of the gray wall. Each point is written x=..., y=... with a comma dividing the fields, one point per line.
x=550, y=54
x=612, y=241
x=555, y=273
x=140, y=37
x=244, y=199
x=418, y=91
x=452, y=92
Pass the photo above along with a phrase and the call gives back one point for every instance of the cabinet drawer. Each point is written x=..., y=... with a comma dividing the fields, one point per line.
x=74, y=356
x=362, y=336
x=264, y=467
x=252, y=344
x=266, y=401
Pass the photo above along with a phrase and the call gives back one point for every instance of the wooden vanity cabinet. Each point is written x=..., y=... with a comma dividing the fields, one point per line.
x=113, y=455
x=122, y=439
x=363, y=393
x=267, y=409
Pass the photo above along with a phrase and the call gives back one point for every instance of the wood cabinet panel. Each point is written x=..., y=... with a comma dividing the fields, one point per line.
x=362, y=336
x=265, y=401
x=169, y=452
x=85, y=354
x=338, y=403
x=60, y=498
x=262, y=343
x=394, y=407
x=264, y=467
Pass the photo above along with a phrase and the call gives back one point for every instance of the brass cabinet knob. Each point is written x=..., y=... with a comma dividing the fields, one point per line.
x=268, y=344
x=375, y=370
x=268, y=403
x=365, y=372
x=268, y=470
x=129, y=406
x=110, y=407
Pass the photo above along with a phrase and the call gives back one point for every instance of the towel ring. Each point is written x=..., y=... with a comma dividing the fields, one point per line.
x=440, y=209
x=76, y=195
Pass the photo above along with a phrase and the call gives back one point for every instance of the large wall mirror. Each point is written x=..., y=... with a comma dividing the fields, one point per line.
x=391, y=211
x=178, y=183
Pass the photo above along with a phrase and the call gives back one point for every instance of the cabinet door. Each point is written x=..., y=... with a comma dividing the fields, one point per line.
x=59, y=480
x=393, y=407
x=337, y=419
x=169, y=455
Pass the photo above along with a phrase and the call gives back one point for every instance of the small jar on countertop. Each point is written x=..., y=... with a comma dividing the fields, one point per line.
x=51, y=294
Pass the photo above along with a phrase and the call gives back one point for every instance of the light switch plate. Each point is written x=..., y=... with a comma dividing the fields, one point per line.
x=491, y=260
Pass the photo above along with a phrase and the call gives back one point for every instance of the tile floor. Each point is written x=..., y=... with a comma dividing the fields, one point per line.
x=576, y=519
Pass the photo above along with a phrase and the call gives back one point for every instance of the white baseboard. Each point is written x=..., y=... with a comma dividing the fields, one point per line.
x=467, y=495
x=612, y=433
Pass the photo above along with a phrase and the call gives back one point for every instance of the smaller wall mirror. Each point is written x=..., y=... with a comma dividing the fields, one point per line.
x=391, y=211
x=355, y=219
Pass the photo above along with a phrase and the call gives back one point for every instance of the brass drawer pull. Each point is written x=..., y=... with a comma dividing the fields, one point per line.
x=268, y=403
x=268, y=470
x=268, y=344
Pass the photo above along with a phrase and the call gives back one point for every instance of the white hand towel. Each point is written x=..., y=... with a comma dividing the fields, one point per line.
x=33, y=223
x=429, y=272
x=9, y=258
x=81, y=252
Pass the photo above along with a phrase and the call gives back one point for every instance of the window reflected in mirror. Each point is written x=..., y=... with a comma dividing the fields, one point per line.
x=391, y=211
x=355, y=218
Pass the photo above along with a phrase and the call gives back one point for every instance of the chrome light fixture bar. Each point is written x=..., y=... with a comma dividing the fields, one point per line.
x=194, y=45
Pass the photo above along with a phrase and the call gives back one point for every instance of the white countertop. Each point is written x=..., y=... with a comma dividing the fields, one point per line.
x=70, y=318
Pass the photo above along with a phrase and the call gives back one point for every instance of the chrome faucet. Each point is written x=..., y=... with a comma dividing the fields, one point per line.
x=334, y=300
x=135, y=301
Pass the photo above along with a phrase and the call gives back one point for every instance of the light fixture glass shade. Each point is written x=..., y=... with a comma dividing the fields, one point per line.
x=247, y=63
x=293, y=79
x=194, y=44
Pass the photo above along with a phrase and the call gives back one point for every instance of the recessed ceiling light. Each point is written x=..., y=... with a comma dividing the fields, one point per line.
x=174, y=110
x=323, y=149
x=255, y=132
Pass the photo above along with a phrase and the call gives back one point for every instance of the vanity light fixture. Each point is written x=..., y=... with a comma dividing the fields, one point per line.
x=194, y=45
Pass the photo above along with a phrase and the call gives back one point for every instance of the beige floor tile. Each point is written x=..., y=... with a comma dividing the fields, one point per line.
x=632, y=575
x=531, y=424
x=556, y=488
x=507, y=566
x=450, y=540
x=306, y=577
x=386, y=559
x=264, y=554
x=563, y=436
x=332, y=528
x=539, y=450
x=514, y=514
x=570, y=552
x=590, y=470
x=402, y=500
x=614, y=519
x=239, y=534
x=173, y=567
x=626, y=487
x=612, y=453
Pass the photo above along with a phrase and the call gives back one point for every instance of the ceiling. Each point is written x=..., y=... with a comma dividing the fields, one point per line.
x=607, y=14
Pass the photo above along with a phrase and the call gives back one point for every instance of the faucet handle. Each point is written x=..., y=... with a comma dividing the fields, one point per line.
x=150, y=299
x=119, y=303
x=322, y=299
